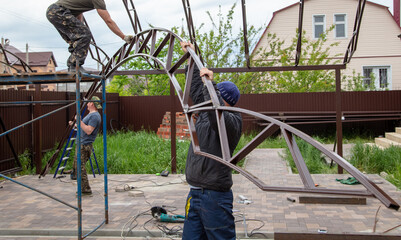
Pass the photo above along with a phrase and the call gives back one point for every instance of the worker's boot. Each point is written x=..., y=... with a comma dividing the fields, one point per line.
x=80, y=69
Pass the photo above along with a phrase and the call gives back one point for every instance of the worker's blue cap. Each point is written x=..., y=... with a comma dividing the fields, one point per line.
x=229, y=92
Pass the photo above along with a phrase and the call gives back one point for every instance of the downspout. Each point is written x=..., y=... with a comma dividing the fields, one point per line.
x=396, y=9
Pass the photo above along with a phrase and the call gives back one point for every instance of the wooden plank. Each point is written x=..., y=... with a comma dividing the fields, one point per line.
x=5, y=74
x=328, y=236
x=332, y=200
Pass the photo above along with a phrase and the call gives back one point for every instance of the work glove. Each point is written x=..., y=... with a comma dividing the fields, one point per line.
x=128, y=38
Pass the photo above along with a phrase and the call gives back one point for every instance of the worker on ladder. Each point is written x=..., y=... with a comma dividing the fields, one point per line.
x=89, y=128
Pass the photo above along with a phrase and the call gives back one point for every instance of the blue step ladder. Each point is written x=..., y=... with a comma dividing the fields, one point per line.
x=66, y=155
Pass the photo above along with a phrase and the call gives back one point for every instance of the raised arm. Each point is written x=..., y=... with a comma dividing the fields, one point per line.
x=104, y=14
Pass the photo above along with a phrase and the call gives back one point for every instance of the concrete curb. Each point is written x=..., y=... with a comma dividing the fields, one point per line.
x=99, y=233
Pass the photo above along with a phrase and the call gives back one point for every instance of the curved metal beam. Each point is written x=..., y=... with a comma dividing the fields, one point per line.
x=170, y=66
x=25, y=66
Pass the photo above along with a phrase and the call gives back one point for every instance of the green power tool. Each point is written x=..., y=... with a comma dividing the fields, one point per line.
x=161, y=214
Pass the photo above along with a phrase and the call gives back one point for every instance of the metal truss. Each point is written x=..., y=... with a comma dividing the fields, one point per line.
x=136, y=49
x=19, y=61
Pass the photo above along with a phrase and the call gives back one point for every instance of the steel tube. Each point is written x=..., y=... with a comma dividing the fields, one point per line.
x=241, y=69
x=94, y=230
x=78, y=149
x=38, y=191
x=106, y=196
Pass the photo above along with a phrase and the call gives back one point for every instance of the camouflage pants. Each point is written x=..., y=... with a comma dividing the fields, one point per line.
x=73, y=31
x=86, y=151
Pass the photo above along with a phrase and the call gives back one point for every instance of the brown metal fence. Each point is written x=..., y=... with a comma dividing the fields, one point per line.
x=146, y=112
x=322, y=101
x=53, y=126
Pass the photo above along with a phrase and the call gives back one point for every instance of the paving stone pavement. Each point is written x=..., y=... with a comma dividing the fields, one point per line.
x=28, y=215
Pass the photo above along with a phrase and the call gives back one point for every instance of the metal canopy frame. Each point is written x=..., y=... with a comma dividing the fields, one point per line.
x=144, y=46
x=170, y=67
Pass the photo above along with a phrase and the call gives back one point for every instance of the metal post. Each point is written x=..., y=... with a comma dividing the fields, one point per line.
x=78, y=149
x=173, y=130
x=38, y=130
x=38, y=191
x=339, y=125
x=3, y=126
x=245, y=29
x=106, y=200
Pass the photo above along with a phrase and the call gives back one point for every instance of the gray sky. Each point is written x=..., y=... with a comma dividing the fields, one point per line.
x=24, y=21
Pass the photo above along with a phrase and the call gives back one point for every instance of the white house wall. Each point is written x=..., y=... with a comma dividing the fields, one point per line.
x=378, y=43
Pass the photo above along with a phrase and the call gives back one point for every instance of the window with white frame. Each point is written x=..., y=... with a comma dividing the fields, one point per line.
x=367, y=76
x=378, y=76
x=340, y=23
x=319, y=25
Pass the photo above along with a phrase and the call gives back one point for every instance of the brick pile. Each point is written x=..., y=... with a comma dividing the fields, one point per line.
x=182, y=131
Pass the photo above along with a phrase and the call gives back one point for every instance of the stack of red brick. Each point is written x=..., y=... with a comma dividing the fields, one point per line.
x=182, y=131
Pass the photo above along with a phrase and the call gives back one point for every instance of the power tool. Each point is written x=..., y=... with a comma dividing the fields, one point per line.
x=161, y=214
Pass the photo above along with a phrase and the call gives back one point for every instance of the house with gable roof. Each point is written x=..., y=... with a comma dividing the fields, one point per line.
x=38, y=61
x=378, y=54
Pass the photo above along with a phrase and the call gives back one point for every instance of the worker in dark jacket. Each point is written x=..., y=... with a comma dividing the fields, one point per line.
x=210, y=200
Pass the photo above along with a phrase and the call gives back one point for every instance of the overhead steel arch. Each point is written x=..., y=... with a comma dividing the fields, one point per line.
x=18, y=61
x=146, y=46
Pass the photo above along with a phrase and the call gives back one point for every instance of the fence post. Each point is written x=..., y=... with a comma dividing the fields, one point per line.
x=38, y=129
x=339, y=125
x=173, y=130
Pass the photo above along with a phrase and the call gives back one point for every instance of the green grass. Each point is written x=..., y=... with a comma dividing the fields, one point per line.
x=367, y=158
x=139, y=153
x=313, y=158
x=145, y=153
x=371, y=159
